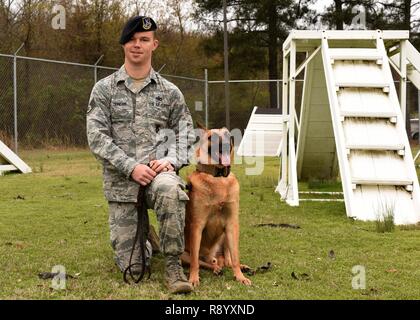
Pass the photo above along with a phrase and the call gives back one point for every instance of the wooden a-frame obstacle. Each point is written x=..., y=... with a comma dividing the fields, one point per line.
x=351, y=121
x=9, y=161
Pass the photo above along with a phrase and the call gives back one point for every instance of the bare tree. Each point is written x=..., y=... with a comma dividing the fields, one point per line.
x=176, y=10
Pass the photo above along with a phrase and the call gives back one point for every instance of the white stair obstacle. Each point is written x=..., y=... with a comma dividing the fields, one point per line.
x=263, y=134
x=351, y=120
x=9, y=161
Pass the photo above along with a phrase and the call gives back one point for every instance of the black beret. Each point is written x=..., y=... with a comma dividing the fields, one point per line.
x=137, y=24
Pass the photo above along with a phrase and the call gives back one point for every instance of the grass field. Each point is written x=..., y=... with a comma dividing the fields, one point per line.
x=58, y=216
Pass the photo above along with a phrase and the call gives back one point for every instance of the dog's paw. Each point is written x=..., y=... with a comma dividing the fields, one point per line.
x=242, y=279
x=217, y=270
x=245, y=268
x=194, y=280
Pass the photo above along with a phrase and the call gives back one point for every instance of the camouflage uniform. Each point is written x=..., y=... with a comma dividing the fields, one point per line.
x=127, y=126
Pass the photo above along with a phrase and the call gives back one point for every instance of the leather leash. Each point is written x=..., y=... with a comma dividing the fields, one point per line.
x=142, y=233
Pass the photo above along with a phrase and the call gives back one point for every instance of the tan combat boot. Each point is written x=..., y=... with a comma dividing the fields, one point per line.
x=176, y=281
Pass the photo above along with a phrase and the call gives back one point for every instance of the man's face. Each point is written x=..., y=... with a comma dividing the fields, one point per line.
x=139, y=49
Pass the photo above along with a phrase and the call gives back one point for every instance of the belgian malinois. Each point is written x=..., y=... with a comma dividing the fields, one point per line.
x=212, y=214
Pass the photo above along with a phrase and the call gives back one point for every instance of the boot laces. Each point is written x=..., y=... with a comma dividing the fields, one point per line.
x=174, y=267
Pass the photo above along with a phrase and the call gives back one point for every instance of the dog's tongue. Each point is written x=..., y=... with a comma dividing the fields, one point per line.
x=225, y=159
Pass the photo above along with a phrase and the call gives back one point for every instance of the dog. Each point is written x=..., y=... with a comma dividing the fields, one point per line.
x=212, y=213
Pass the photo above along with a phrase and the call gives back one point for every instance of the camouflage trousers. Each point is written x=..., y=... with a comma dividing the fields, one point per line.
x=166, y=196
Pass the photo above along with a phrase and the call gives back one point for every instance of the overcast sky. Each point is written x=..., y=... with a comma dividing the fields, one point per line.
x=154, y=9
x=162, y=10
x=320, y=4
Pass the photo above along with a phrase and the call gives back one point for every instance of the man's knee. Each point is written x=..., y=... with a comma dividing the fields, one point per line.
x=165, y=189
x=166, y=185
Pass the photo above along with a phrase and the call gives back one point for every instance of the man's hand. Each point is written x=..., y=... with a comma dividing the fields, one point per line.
x=143, y=175
x=161, y=166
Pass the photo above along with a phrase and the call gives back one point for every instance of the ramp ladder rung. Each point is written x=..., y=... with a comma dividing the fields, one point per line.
x=355, y=54
x=367, y=114
x=382, y=182
x=8, y=167
x=395, y=147
x=383, y=86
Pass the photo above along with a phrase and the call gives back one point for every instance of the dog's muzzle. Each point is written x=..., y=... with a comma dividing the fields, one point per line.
x=219, y=150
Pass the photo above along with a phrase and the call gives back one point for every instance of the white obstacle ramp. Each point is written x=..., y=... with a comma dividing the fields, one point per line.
x=9, y=161
x=263, y=134
x=350, y=122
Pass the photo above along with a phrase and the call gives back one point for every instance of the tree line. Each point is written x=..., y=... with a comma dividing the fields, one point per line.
x=191, y=39
x=256, y=29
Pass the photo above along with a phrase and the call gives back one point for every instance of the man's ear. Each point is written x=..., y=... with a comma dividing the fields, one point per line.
x=155, y=44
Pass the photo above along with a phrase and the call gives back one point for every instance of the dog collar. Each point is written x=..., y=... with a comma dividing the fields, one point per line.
x=214, y=171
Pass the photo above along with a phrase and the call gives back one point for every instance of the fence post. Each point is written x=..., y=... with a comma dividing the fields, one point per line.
x=206, y=97
x=15, y=97
x=96, y=68
x=278, y=93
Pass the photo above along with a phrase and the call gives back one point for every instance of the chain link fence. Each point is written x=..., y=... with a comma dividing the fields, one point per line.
x=6, y=100
x=194, y=91
x=244, y=96
x=413, y=112
x=52, y=97
x=52, y=101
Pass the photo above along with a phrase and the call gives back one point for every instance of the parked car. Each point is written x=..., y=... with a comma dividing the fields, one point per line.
x=414, y=129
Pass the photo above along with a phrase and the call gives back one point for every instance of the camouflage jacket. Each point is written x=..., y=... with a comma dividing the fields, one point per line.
x=127, y=127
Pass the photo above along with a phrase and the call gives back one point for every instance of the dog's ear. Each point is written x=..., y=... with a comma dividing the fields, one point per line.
x=197, y=143
x=200, y=139
x=232, y=149
x=200, y=125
